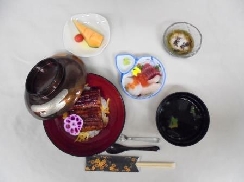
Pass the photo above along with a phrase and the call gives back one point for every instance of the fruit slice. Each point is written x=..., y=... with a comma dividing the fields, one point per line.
x=92, y=37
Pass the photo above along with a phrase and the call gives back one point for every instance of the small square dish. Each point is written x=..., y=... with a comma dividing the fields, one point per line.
x=94, y=23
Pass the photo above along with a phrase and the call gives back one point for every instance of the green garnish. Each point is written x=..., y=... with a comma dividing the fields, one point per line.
x=173, y=123
x=126, y=61
x=140, y=66
x=193, y=112
x=157, y=67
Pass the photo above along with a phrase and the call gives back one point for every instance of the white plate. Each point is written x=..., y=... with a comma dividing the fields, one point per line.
x=96, y=22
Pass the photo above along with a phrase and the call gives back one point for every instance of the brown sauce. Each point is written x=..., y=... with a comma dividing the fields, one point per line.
x=180, y=42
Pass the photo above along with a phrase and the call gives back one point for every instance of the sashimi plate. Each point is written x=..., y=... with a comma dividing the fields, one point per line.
x=141, y=77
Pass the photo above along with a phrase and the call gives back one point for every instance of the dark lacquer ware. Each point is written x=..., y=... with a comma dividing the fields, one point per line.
x=117, y=148
x=182, y=119
x=54, y=128
x=53, y=85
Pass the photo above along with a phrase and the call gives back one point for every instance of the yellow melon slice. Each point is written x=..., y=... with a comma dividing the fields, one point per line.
x=92, y=37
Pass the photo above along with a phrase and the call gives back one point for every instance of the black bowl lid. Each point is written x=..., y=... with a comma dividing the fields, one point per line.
x=182, y=119
x=65, y=74
x=44, y=77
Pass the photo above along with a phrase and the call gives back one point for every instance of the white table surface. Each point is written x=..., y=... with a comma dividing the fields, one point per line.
x=32, y=30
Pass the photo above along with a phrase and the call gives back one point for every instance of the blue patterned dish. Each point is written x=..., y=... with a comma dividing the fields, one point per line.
x=143, y=79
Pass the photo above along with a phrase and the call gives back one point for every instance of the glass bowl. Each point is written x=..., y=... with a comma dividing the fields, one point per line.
x=182, y=39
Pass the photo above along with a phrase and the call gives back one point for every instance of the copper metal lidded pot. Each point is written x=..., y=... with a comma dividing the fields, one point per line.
x=53, y=85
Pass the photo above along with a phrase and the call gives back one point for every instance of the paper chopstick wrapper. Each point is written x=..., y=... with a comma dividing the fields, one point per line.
x=121, y=163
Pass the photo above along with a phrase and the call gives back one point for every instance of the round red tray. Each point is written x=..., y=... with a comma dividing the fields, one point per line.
x=65, y=142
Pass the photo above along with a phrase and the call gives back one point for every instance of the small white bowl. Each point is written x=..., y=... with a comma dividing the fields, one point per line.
x=96, y=22
x=125, y=62
x=155, y=86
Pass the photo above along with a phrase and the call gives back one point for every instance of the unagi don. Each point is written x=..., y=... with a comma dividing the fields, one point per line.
x=88, y=107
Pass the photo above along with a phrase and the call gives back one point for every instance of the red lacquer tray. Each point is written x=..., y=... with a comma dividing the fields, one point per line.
x=66, y=142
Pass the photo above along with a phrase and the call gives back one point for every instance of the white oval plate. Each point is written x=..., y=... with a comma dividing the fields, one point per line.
x=96, y=22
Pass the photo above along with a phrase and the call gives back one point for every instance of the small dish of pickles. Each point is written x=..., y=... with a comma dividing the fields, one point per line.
x=182, y=39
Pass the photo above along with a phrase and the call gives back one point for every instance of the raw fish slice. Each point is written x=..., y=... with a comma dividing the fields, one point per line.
x=150, y=71
x=132, y=86
x=135, y=91
x=155, y=79
x=152, y=88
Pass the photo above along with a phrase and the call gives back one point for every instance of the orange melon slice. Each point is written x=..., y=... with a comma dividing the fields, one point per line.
x=92, y=37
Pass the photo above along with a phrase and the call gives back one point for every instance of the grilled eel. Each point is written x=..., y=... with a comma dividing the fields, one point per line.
x=88, y=107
